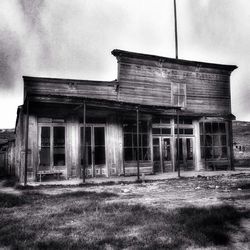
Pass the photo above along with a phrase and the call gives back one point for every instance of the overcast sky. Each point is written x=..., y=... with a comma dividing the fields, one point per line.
x=74, y=38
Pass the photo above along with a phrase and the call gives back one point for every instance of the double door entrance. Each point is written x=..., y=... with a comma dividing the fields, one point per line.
x=165, y=154
x=95, y=150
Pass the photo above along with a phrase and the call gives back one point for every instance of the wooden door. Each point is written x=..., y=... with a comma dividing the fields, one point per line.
x=95, y=146
x=162, y=154
x=186, y=154
x=51, y=147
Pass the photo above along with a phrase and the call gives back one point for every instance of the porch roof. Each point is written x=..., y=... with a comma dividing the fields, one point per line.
x=78, y=103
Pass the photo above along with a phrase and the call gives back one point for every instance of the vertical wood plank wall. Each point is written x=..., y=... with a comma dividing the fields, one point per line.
x=149, y=82
x=114, y=145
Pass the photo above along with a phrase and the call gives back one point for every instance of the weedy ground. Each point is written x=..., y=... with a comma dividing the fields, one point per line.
x=203, y=212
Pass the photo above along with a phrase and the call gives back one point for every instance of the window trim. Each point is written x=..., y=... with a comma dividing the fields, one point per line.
x=51, y=126
x=184, y=85
x=134, y=147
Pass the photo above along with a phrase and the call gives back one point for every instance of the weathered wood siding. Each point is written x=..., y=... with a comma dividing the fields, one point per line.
x=149, y=82
x=114, y=145
x=146, y=167
x=72, y=147
x=70, y=88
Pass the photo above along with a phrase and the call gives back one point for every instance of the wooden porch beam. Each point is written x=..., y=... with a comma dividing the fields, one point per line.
x=137, y=146
x=84, y=143
x=178, y=144
x=26, y=142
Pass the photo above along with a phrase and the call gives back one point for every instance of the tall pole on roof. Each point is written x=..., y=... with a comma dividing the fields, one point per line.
x=176, y=35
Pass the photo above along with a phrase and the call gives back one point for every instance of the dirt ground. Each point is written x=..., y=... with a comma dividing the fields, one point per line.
x=172, y=193
x=199, y=191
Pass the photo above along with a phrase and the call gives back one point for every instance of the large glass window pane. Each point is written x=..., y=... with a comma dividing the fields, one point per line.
x=188, y=131
x=127, y=140
x=208, y=128
x=156, y=142
x=189, y=143
x=222, y=127
x=99, y=134
x=216, y=140
x=45, y=136
x=166, y=131
x=45, y=147
x=99, y=155
x=215, y=127
x=88, y=145
x=156, y=131
x=180, y=149
x=224, y=152
x=146, y=154
x=217, y=152
x=166, y=149
x=208, y=140
x=145, y=141
x=59, y=146
x=87, y=135
x=201, y=128
x=156, y=153
x=209, y=152
x=202, y=140
x=165, y=120
x=128, y=154
x=223, y=140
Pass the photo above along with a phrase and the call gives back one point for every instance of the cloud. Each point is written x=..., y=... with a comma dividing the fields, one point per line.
x=73, y=39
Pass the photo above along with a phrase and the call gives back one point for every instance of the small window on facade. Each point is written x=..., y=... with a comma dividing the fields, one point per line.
x=183, y=120
x=161, y=131
x=179, y=94
x=130, y=142
x=161, y=120
x=184, y=131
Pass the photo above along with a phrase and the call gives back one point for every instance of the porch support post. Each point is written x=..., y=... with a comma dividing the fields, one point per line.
x=137, y=146
x=178, y=143
x=84, y=143
x=26, y=142
x=230, y=135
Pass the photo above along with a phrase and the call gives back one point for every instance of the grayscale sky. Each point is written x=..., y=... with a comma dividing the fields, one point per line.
x=74, y=38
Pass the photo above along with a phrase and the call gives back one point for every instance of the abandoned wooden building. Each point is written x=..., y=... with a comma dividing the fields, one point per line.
x=129, y=124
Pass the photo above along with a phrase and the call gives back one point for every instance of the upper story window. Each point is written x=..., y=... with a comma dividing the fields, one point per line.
x=178, y=94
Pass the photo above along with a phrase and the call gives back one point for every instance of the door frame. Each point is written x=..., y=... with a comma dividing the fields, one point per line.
x=51, y=126
x=161, y=138
x=184, y=149
x=93, y=166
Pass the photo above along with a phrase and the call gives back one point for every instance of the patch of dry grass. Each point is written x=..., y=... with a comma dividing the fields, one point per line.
x=84, y=220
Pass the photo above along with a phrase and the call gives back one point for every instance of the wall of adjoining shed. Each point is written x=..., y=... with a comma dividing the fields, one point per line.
x=149, y=82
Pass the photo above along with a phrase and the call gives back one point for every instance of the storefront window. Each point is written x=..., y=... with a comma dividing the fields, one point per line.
x=130, y=141
x=213, y=140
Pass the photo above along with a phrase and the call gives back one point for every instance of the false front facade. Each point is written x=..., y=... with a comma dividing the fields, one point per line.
x=128, y=125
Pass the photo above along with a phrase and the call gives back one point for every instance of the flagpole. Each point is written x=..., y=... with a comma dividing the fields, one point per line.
x=176, y=35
